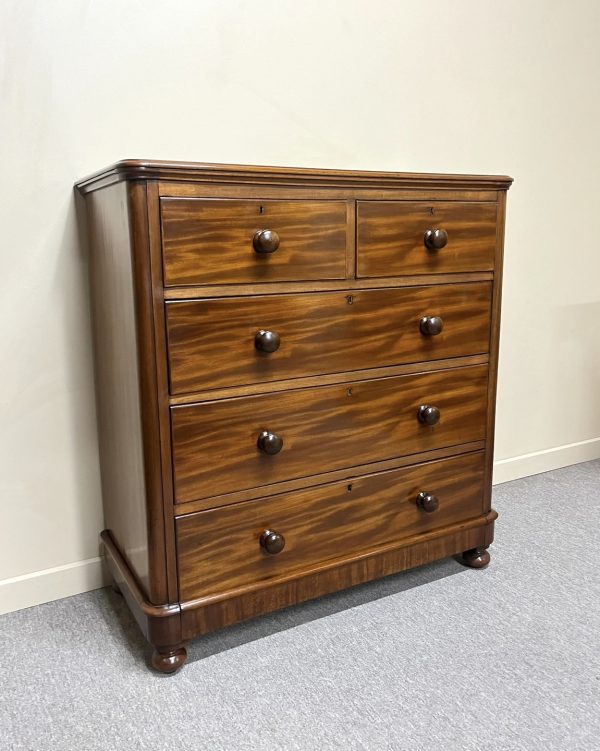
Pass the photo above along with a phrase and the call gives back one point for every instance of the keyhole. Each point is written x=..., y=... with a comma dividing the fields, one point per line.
x=349, y=392
x=349, y=299
x=350, y=488
x=261, y=209
x=431, y=210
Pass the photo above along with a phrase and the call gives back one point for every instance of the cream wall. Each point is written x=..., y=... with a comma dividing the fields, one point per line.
x=446, y=85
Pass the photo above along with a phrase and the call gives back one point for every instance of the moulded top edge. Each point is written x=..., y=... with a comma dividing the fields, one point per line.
x=141, y=169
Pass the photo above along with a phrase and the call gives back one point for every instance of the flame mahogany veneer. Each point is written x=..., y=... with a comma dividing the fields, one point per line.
x=296, y=378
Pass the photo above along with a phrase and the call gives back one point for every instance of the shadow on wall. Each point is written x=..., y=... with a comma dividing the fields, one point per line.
x=79, y=373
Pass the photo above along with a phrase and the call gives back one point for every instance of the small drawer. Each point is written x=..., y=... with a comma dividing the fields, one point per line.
x=400, y=238
x=217, y=343
x=282, y=535
x=246, y=442
x=228, y=241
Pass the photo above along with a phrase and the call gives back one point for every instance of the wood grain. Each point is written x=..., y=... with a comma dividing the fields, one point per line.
x=239, y=174
x=211, y=342
x=390, y=237
x=117, y=377
x=163, y=427
x=272, y=387
x=201, y=616
x=293, y=191
x=160, y=624
x=210, y=241
x=241, y=290
x=342, y=390
x=151, y=360
x=328, y=428
x=349, y=474
x=494, y=349
x=219, y=550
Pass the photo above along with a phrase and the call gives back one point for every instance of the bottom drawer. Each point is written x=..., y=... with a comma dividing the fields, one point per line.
x=220, y=550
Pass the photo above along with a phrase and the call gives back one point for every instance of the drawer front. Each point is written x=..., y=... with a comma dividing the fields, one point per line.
x=215, y=444
x=392, y=237
x=220, y=549
x=212, y=343
x=215, y=241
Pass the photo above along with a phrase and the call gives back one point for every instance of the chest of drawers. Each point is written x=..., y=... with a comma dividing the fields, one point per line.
x=295, y=377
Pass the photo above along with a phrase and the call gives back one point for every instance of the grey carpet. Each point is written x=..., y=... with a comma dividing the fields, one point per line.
x=442, y=658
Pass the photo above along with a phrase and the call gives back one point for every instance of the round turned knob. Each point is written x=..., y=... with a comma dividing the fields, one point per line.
x=267, y=341
x=436, y=239
x=427, y=502
x=272, y=541
x=266, y=241
x=431, y=325
x=428, y=414
x=269, y=442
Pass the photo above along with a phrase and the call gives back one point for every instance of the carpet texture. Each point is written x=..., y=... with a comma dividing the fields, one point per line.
x=442, y=658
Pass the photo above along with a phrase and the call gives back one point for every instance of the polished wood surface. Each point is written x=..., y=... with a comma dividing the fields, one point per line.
x=291, y=366
x=494, y=348
x=224, y=241
x=273, y=387
x=428, y=502
x=298, y=191
x=350, y=284
x=203, y=615
x=156, y=396
x=322, y=429
x=349, y=474
x=160, y=624
x=392, y=235
x=169, y=660
x=435, y=239
x=272, y=542
x=201, y=175
x=476, y=557
x=221, y=550
x=212, y=342
x=117, y=377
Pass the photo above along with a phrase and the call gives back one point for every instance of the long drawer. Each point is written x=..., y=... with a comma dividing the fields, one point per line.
x=217, y=342
x=221, y=549
x=223, y=241
x=233, y=444
x=404, y=237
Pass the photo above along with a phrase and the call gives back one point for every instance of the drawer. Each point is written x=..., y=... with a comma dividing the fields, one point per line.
x=220, y=549
x=392, y=237
x=216, y=444
x=213, y=343
x=224, y=241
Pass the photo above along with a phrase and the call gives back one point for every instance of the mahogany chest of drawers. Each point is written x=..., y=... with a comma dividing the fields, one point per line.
x=296, y=376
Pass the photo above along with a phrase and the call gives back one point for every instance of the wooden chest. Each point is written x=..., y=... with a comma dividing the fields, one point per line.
x=296, y=376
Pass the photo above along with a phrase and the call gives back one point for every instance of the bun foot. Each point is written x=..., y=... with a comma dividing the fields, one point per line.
x=168, y=661
x=476, y=558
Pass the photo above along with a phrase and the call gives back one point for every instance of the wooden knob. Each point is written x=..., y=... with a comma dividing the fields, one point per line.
x=266, y=241
x=428, y=414
x=427, y=502
x=269, y=442
x=431, y=325
x=267, y=341
x=436, y=239
x=272, y=542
